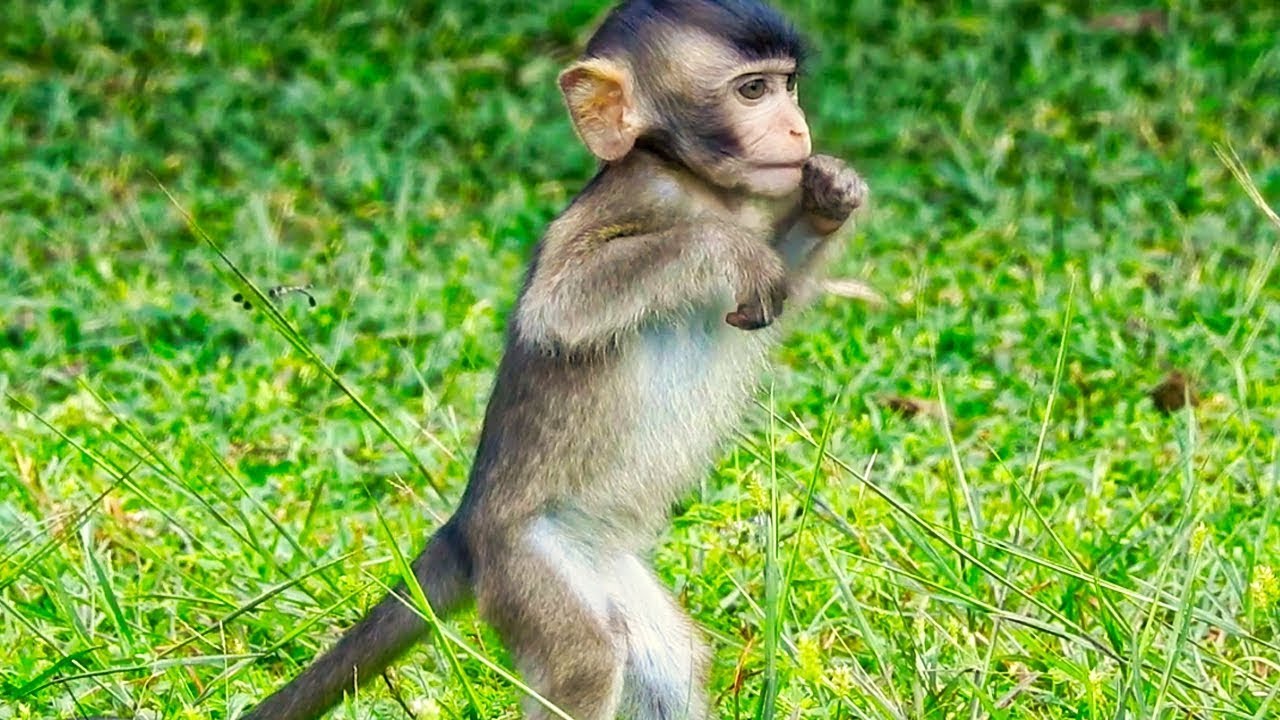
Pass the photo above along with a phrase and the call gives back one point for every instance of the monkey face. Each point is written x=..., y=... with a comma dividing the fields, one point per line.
x=735, y=121
x=771, y=137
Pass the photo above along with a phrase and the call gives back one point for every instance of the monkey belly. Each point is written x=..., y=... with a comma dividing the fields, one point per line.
x=687, y=386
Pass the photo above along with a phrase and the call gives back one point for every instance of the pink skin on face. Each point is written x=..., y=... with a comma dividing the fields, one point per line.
x=772, y=127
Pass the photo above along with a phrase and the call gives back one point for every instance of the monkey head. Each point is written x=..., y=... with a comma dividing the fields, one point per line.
x=708, y=84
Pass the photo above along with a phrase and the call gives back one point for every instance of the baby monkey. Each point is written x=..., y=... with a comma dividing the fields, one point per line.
x=643, y=324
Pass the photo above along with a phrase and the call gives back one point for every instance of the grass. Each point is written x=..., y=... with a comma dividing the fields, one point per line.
x=962, y=504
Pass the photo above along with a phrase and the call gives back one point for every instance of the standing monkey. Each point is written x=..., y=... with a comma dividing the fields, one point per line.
x=637, y=339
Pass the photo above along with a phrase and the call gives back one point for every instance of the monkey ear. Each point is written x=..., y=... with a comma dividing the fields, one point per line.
x=601, y=101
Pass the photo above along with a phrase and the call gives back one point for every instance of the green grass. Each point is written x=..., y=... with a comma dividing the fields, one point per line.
x=189, y=506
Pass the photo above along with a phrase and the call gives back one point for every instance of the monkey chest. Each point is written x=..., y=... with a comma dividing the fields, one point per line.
x=691, y=381
x=674, y=393
x=689, y=371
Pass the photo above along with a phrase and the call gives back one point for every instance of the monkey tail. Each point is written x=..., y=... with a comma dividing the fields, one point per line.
x=388, y=631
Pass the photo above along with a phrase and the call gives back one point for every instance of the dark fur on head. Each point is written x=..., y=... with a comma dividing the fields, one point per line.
x=754, y=29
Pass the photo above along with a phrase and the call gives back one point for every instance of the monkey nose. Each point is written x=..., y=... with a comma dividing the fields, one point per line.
x=802, y=136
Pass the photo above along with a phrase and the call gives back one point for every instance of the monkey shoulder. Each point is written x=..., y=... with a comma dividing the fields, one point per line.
x=638, y=191
x=619, y=257
x=604, y=213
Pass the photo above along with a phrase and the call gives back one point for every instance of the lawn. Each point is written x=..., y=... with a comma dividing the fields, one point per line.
x=961, y=502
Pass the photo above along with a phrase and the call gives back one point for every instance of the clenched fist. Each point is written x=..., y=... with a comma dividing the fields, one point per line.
x=831, y=192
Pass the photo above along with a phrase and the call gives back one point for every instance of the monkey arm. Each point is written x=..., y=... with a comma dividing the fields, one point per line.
x=830, y=192
x=799, y=235
x=805, y=248
x=587, y=291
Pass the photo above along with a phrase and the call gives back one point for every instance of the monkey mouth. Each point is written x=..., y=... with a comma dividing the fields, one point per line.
x=797, y=165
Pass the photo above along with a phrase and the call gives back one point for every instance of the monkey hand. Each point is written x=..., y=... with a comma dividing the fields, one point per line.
x=760, y=301
x=832, y=191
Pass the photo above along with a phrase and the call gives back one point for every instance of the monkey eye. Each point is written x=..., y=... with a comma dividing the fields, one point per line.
x=791, y=82
x=753, y=89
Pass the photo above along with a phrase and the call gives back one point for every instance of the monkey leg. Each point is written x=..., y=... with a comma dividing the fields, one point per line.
x=547, y=599
x=666, y=660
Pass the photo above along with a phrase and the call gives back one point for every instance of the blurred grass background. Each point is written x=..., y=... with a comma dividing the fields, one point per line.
x=187, y=504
